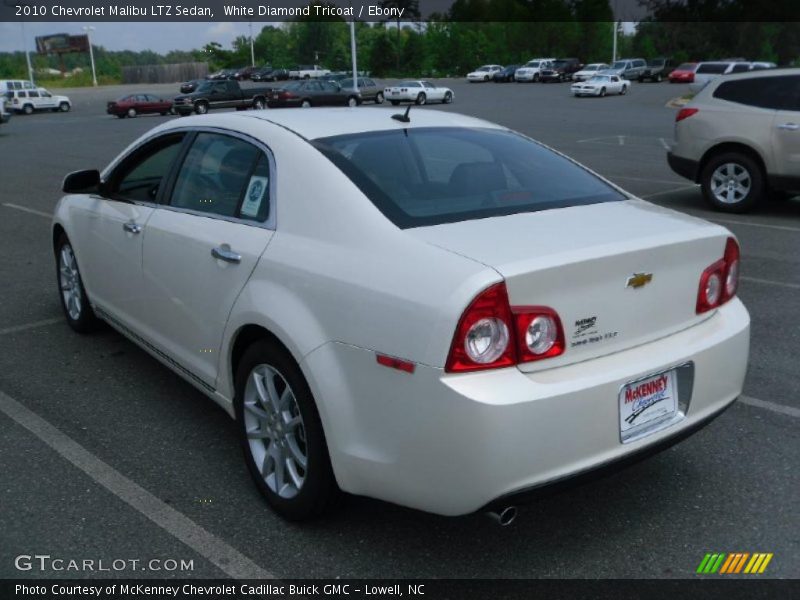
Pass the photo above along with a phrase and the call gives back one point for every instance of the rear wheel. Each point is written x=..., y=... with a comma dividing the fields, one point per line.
x=281, y=433
x=352, y=101
x=379, y=99
x=422, y=98
x=732, y=182
x=28, y=109
x=658, y=77
x=132, y=113
x=306, y=104
x=259, y=104
x=78, y=312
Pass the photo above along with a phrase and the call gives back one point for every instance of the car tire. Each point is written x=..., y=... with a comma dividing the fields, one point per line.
x=27, y=109
x=74, y=301
x=486, y=78
x=64, y=107
x=394, y=102
x=732, y=182
x=201, y=108
x=421, y=99
x=624, y=90
x=379, y=98
x=448, y=98
x=306, y=104
x=259, y=104
x=132, y=113
x=281, y=433
x=602, y=92
x=658, y=78
x=536, y=78
x=352, y=102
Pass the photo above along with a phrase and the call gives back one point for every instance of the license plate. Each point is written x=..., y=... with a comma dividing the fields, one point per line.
x=646, y=402
x=395, y=93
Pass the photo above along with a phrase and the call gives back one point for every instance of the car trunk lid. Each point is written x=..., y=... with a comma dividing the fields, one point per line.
x=619, y=274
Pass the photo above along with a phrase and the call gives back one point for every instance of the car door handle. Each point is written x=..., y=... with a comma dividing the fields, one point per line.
x=226, y=254
x=132, y=227
x=789, y=126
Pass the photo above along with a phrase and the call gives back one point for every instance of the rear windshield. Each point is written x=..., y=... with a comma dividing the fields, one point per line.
x=429, y=176
x=712, y=68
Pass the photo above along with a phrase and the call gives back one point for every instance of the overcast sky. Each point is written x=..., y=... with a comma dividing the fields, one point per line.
x=159, y=37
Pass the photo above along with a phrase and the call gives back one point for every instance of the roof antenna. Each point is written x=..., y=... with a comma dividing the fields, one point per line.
x=403, y=118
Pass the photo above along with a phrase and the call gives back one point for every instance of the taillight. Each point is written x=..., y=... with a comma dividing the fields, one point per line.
x=685, y=113
x=286, y=95
x=492, y=334
x=719, y=282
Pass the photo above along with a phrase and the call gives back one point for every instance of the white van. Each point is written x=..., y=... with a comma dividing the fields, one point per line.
x=8, y=85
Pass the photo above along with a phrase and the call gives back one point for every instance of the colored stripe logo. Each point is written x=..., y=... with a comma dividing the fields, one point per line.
x=734, y=563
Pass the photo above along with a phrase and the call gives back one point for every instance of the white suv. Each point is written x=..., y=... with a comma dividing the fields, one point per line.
x=740, y=138
x=28, y=101
x=532, y=70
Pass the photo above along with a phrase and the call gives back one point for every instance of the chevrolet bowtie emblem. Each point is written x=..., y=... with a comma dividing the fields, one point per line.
x=638, y=280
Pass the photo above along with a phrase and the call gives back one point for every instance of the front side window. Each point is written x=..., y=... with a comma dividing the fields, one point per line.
x=215, y=176
x=428, y=176
x=140, y=175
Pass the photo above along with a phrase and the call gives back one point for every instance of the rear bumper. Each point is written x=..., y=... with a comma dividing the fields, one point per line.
x=685, y=167
x=454, y=444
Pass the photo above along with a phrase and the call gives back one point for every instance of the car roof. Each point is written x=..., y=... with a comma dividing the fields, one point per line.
x=326, y=122
x=717, y=81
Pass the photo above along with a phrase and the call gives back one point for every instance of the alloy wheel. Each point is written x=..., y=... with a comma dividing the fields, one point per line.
x=70, y=282
x=730, y=183
x=275, y=431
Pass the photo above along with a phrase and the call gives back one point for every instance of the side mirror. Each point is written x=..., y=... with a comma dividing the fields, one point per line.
x=82, y=182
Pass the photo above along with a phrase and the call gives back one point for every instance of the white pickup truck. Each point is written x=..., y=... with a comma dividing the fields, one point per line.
x=308, y=72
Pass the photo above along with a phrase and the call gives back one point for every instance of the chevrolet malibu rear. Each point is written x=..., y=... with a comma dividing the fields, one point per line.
x=447, y=316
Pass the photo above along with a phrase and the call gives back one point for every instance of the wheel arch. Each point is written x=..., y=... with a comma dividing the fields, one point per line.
x=58, y=231
x=729, y=147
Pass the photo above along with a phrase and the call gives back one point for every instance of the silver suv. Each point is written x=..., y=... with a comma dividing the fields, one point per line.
x=739, y=137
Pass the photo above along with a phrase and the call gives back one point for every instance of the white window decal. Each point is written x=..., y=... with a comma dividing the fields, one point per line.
x=256, y=190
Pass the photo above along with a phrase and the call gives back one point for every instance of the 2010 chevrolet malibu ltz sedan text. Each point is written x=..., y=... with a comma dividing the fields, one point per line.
x=427, y=308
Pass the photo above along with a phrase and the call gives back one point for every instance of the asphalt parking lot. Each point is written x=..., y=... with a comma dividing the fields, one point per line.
x=153, y=441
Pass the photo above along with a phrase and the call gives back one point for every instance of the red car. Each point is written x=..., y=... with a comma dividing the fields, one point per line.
x=139, y=104
x=684, y=73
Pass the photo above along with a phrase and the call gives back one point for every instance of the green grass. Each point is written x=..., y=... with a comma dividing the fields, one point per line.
x=78, y=80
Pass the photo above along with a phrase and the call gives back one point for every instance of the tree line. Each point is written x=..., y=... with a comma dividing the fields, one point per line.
x=474, y=32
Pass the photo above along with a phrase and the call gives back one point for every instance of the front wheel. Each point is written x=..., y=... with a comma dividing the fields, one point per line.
x=379, y=99
x=536, y=78
x=732, y=182
x=27, y=109
x=281, y=433
x=448, y=98
x=352, y=101
x=602, y=92
x=624, y=90
x=306, y=104
x=64, y=107
x=78, y=312
x=259, y=104
x=421, y=99
x=201, y=108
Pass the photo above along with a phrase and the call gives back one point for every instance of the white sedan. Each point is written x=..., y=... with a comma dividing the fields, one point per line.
x=589, y=71
x=601, y=85
x=446, y=315
x=418, y=92
x=483, y=73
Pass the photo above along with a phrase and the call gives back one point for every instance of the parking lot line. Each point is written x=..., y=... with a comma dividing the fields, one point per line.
x=786, y=284
x=33, y=211
x=773, y=406
x=26, y=326
x=671, y=191
x=206, y=544
x=749, y=224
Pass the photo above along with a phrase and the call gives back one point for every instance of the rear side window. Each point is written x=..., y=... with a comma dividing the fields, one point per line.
x=740, y=68
x=214, y=175
x=428, y=176
x=712, y=68
x=777, y=93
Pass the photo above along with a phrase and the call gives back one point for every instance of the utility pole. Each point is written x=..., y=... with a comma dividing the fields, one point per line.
x=252, y=50
x=27, y=53
x=353, y=50
x=88, y=29
x=614, y=51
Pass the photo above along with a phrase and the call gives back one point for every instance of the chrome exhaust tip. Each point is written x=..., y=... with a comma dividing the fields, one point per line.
x=503, y=517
